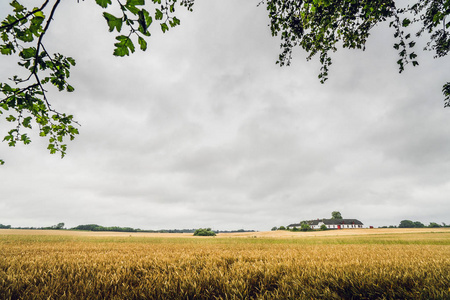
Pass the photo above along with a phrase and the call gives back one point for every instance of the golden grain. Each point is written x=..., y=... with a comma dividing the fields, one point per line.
x=93, y=268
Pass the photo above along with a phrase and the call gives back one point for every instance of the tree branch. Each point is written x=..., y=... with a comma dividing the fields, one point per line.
x=39, y=43
x=11, y=25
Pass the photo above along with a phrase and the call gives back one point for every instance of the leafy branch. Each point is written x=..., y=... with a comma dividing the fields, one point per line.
x=320, y=26
x=24, y=101
x=138, y=20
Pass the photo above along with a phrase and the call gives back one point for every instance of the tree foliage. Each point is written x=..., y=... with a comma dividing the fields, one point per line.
x=434, y=225
x=204, y=232
x=410, y=224
x=336, y=215
x=305, y=226
x=318, y=26
x=95, y=227
x=23, y=99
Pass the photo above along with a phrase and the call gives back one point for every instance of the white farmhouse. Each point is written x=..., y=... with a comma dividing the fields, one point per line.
x=330, y=223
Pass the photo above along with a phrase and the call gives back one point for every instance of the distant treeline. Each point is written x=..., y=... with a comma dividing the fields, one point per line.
x=54, y=227
x=95, y=227
x=416, y=224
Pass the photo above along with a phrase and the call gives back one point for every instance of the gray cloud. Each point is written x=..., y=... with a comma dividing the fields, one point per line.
x=204, y=129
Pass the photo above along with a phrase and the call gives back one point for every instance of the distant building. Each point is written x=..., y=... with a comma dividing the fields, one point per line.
x=330, y=223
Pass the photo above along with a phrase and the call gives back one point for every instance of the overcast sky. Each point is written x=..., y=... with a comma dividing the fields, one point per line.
x=205, y=130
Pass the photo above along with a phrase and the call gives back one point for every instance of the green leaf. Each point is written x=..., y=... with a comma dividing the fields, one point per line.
x=10, y=118
x=159, y=15
x=17, y=6
x=71, y=61
x=142, y=43
x=176, y=21
x=103, y=3
x=135, y=2
x=5, y=37
x=2, y=162
x=6, y=88
x=25, y=139
x=73, y=130
x=113, y=22
x=7, y=49
x=164, y=27
x=36, y=25
x=52, y=148
x=121, y=50
x=28, y=53
x=10, y=19
x=145, y=20
x=406, y=22
x=26, y=122
x=124, y=45
x=24, y=35
x=39, y=14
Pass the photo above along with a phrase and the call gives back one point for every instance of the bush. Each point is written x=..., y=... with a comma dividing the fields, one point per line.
x=305, y=227
x=204, y=232
x=323, y=227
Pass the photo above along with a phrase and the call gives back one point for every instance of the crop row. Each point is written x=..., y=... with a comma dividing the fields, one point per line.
x=111, y=270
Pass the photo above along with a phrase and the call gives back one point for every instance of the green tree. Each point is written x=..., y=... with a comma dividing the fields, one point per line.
x=281, y=228
x=323, y=227
x=274, y=228
x=319, y=27
x=434, y=225
x=87, y=227
x=336, y=215
x=406, y=224
x=204, y=232
x=418, y=224
x=305, y=226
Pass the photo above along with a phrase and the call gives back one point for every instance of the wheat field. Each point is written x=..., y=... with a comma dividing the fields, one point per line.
x=384, y=266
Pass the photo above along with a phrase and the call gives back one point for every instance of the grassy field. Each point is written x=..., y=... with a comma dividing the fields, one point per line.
x=364, y=264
